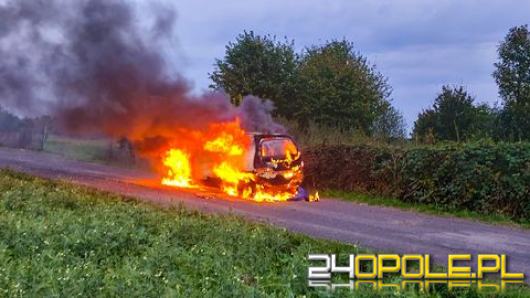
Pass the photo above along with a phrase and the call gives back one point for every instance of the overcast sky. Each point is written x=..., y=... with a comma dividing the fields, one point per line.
x=419, y=45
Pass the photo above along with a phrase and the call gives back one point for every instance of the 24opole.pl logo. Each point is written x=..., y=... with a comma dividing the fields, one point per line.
x=412, y=270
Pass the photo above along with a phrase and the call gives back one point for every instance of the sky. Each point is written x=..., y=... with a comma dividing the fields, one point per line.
x=419, y=45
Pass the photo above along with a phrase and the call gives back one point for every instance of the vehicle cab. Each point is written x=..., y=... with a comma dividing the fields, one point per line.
x=275, y=161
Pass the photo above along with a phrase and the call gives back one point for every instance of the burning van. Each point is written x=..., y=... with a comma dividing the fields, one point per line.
x=255, y=166
x=273, y=169
x=275, y=161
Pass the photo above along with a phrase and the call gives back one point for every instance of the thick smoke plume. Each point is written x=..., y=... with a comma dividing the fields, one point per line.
x=97, y=65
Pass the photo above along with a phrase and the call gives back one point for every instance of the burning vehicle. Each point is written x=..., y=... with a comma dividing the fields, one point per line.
x=255, y=166
x=275, y=167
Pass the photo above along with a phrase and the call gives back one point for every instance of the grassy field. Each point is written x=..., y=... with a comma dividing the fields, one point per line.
x=62, y=240
x=56, y=239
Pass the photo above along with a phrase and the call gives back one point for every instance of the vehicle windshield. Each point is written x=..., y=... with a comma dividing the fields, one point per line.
x=278, y=148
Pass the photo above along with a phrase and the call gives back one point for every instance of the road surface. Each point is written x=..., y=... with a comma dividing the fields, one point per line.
x=380, y=228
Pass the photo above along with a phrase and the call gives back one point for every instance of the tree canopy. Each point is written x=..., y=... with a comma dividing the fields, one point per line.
x=453, y=116
x=256, y=65
x=8, y=121
x=512, y=75
x=329, y=85
x=390, y=125
x=338, y=88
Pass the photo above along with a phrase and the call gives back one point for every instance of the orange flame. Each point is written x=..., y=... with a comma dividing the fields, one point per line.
x=221, y=152
x=179, y=169
x=224, y=144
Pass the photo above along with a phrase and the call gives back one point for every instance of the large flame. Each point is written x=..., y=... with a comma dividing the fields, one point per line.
x=222, y=152
x=179, y=169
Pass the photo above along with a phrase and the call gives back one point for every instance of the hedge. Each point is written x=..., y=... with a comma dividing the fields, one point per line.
x=486, y=178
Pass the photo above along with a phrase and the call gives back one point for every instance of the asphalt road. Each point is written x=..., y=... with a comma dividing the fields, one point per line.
x=380, y=228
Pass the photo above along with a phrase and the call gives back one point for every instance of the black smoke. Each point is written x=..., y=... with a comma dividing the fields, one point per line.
x=97, y=65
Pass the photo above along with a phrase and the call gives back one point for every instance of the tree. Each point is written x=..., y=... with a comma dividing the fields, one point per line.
x=424, y=126
x=485, y=121
x=512, y=75
x=8, y=121
x=390, y=125
x=338, y=88
x=453, y=117
x=455, y=113
x=257, y=65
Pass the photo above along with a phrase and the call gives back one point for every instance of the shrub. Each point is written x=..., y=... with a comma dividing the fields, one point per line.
x=362, y=168
x=485, y=178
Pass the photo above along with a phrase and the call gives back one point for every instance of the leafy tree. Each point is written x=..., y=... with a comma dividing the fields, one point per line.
x=455, y=113
x=485, y=123
x=8, y=121
x=424, y=126
x=512, y=75
x=390, y=125
x=257, y=65
x=338, y=88
x=453, y=117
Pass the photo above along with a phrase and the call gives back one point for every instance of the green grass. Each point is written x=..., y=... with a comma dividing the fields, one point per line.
x=75, y=148
x=425, y=208
x=57, y=239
